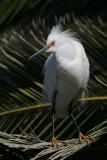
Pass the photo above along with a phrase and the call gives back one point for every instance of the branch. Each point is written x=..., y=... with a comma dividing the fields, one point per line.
x=26, y=143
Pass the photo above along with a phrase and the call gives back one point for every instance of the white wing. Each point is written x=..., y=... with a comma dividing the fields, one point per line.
x=83, y=62
x=50, y=77
x=85, y=73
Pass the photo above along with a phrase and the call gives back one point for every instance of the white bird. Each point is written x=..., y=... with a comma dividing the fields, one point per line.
x=66, y=73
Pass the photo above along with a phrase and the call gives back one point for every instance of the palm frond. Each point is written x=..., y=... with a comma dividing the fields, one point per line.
x=24, y=143
x=13, y=12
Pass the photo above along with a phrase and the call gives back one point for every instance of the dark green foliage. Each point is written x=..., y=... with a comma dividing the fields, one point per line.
x=14, y=12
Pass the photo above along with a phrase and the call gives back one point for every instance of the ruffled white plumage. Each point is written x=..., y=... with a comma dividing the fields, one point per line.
x=66, y=70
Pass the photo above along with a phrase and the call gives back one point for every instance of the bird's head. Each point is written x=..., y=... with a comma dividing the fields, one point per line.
x=55, y=39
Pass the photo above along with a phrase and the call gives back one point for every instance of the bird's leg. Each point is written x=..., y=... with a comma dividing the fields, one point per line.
x=86, y=138
x=54, y=140
x=53, y=121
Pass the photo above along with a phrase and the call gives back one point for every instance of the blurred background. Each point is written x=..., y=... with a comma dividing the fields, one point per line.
x=24, y=27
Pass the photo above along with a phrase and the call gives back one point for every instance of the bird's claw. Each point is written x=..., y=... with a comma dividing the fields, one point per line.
x=55, y=142
x=86, y=138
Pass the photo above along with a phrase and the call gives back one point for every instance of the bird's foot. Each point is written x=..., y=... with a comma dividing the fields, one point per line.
x=86, y=138
x=55, y=142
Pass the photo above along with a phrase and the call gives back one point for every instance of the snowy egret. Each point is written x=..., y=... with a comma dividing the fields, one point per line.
x=66, y=74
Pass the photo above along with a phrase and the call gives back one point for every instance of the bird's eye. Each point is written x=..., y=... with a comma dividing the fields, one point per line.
x=53, y=43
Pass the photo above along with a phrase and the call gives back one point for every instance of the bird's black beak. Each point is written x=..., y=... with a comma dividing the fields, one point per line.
x=37, y=53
